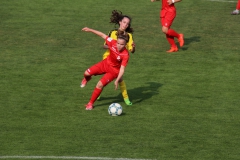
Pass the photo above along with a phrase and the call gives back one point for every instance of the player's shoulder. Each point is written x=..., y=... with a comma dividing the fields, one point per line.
x=112, y=32
x=125, y=52
x=130, y=35
x=111, y=40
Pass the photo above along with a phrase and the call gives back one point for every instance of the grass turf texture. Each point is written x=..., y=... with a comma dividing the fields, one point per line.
x=185, y=104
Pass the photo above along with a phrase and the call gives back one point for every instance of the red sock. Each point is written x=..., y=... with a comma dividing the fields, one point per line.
x=95, y=95
x=238, y=5
x=171, y=40
x=172, y=33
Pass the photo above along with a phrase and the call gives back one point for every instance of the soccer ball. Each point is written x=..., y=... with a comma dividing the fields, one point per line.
x=115, y=109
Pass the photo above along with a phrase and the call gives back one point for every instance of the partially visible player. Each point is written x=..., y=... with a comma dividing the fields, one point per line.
x=236, y=11
x=111, y=68
x=167, y=15
x=124, y=24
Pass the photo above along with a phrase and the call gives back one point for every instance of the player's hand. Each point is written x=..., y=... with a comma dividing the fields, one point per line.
x=133, y=48
x=152, y=0
x=169, y=2
x=116, y=85
x=133, y=45
x=86, y=29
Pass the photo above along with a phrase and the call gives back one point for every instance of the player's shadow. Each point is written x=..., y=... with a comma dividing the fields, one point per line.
x=136, y=95
x=189, y=40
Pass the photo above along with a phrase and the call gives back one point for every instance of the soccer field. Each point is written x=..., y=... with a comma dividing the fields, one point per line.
x=185, y=104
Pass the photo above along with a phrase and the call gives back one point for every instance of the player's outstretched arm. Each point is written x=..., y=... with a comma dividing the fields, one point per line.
x=169, y=1
x=86, y=29
x=173, y=1
x=120, y=74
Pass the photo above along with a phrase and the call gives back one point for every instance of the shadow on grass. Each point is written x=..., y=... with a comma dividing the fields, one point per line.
x=136, y=95
x=189, y=40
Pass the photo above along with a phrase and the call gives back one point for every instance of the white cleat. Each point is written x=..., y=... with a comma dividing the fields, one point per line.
x=235, y=12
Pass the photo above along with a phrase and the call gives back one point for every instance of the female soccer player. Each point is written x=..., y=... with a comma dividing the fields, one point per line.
x=167, y=15
x=124, y=23
x=112, y=67
x=236, y=11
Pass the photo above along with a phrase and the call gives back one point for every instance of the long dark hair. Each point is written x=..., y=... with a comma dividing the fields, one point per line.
x=118, y=16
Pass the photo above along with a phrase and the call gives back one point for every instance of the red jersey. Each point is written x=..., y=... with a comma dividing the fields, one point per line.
x=166, y=6
x=116, y=59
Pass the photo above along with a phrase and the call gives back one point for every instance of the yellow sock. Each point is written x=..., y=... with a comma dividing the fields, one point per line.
x=123, y=89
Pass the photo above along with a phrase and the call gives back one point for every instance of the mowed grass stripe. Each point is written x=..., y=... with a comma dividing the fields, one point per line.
x=66, y=157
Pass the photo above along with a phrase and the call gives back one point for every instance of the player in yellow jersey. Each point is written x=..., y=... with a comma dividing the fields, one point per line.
x=124, y=23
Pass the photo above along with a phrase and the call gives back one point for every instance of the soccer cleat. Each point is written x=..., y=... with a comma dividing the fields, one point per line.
x=89, y=106
x=173, y=49
x=181, y=40
x=235, y=12
x=128, y=102
x=83, y=83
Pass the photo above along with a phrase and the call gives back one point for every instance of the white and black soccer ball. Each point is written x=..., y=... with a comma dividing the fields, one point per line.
x=115, y=109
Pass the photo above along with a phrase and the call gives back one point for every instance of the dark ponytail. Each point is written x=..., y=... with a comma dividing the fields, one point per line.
x=118, y=16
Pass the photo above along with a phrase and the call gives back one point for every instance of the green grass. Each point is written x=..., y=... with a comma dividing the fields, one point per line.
x=186, y=104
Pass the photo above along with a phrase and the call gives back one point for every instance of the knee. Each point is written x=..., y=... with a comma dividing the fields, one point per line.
x=164, y=30
x=99, y=85
x=86, y=73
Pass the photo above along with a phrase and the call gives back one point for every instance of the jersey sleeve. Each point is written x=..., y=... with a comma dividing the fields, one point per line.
x=111, y=34
x=130, y=42
x=109, y=41
x=125, y=59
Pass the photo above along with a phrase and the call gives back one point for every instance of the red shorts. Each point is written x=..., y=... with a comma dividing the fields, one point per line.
x=167, y=17
x=102, y=67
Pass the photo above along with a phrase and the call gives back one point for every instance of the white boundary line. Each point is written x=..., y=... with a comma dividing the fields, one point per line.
x=66, y=157
x=223, y=1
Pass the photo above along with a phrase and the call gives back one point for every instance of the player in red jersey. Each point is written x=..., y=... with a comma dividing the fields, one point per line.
x=236, y=11
x=124, y=24
x=167, y=15
x=111, y=68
